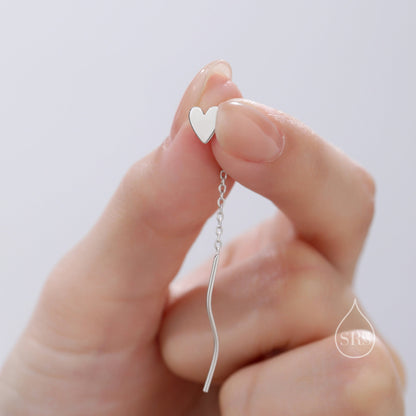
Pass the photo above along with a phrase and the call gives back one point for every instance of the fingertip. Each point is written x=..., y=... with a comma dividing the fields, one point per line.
x=218, y=70
x=245, y=130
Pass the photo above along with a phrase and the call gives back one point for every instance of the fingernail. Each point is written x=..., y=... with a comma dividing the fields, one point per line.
x=219, y=70
x=245, y=130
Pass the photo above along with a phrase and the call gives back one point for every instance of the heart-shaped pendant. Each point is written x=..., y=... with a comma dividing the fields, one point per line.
x=203, y=124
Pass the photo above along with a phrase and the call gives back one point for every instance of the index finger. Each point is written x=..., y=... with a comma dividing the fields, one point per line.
x=117, y=276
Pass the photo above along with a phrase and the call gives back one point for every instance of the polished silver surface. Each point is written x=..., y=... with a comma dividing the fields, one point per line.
x=222, y=188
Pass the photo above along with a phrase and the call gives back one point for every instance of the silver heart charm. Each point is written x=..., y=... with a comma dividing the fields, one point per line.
x=203, y=124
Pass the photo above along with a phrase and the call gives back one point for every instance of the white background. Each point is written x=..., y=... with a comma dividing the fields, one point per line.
x=80, y=83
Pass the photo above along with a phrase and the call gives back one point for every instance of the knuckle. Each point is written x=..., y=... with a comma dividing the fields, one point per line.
x=148, y=199
x=366, y=215
x=368, y=181
x=157, y=201
x=310, y=282
x=373, y=386
x=369, y=191
x=369, y=185
x=133, y=181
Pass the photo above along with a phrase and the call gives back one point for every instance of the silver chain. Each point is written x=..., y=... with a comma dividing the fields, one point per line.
x=222, y=188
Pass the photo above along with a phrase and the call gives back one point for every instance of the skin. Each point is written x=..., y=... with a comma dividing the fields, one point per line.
x=112, y=334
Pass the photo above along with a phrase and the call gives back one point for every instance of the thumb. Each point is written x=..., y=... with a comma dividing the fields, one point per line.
x=328, y=197
x=108, y=292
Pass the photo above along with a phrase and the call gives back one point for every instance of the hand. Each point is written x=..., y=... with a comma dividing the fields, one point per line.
x=112, y=335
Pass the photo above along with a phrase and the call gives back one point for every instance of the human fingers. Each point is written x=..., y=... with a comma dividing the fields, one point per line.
x=90, y=342
x=289, y=285
x=316, y=380
x=328, y=197
x=109, y=290
x=272, y=293
x=278, y=297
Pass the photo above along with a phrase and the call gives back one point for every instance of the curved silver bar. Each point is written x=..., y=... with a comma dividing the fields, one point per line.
x=212, y=322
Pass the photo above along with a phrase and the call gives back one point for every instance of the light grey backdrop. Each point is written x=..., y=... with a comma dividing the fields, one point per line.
x=80, y=82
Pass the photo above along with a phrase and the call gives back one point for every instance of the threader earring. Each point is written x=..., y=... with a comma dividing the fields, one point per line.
x=204, y=127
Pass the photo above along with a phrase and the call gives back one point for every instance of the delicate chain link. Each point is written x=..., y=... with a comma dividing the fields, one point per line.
x=222, y=188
